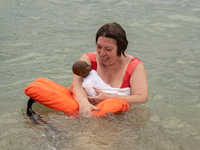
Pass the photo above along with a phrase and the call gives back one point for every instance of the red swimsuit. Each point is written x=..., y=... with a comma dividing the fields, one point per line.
x=131, y=66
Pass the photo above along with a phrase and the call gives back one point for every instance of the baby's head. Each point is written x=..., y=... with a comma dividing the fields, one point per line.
x=81, y=68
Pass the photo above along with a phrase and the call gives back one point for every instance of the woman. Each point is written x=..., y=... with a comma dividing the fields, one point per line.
x=113, y=66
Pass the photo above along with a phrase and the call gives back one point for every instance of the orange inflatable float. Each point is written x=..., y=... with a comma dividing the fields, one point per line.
x=58, y=97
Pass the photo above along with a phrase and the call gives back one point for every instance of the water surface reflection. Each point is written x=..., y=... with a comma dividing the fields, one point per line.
x=115, y=131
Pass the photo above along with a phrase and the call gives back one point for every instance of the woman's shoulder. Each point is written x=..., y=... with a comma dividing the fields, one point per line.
x=133, y=60
x=88, y=57
x=91, y=59
x=131, y=57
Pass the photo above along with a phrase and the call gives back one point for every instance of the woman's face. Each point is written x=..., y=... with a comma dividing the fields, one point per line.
x=107, y=50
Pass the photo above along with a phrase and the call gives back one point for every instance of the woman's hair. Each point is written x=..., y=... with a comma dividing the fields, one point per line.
x=115, y=31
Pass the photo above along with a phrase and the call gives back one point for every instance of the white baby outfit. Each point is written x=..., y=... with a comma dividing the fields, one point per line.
x=94, y=81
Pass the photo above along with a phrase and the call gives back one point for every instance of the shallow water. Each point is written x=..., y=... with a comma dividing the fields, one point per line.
x=43, y=38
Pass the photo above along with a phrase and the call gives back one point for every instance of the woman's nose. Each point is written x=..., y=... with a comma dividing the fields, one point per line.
x=103, y=52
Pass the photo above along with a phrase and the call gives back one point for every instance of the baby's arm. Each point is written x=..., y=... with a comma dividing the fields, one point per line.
x=89, y=88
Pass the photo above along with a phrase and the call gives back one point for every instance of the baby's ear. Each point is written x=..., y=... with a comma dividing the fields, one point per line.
x=81, y=73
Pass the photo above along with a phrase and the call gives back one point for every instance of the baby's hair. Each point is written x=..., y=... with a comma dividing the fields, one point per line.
x=77, y=66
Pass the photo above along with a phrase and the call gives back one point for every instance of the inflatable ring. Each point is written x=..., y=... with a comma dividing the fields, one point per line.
x=58, y=97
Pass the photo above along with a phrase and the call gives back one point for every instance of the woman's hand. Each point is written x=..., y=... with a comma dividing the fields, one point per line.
x=86, y=109
x=100, y=97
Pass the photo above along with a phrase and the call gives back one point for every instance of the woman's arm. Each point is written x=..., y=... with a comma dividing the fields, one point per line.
x=79, y=93
x=139, y=88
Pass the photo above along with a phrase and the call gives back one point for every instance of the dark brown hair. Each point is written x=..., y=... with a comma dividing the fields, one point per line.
x=115, y=31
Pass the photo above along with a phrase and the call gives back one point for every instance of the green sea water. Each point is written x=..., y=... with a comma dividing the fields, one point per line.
x=43, y=38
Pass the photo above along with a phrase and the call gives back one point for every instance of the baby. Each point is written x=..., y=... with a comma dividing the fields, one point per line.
x=91, y=80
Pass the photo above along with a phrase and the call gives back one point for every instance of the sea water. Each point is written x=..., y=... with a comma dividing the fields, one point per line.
x=43, y=38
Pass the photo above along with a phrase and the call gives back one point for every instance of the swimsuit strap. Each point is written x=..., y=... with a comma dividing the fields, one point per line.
x=92, y=57
x=131, y=66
